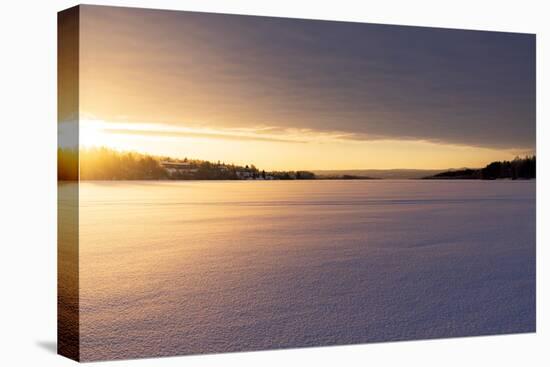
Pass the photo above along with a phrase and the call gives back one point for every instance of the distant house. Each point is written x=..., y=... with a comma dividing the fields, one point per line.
x=178, y=167
x=244, y=175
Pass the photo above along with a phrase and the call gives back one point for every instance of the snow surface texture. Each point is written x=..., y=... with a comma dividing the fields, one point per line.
x=172, y=268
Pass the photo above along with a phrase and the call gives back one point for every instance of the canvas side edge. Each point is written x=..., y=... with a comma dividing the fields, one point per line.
x=68, y=320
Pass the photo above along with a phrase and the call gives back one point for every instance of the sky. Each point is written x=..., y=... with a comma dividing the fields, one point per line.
x=303, y=94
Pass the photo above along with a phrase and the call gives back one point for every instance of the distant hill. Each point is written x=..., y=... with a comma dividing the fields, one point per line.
x=459, y=174
x=519, y=168
x=379, y=173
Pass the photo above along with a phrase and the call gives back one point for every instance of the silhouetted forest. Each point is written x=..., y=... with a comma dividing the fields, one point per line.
x=519, y=168
x=109, y=164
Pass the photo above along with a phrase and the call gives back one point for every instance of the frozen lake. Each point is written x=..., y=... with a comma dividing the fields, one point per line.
x=203, y=267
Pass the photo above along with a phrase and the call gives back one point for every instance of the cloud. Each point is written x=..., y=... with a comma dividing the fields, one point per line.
x=361, y=81
x=204, y=135
x=262, y=133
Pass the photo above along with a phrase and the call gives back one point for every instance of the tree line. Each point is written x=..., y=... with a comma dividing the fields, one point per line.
x=109, y=164
x=106, y=164
x=519, y=168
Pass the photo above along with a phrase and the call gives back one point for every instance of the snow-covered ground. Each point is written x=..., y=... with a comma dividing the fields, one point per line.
x=200, y=267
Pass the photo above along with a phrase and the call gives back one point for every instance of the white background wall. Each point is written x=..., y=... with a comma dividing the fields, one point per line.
x=28, y=182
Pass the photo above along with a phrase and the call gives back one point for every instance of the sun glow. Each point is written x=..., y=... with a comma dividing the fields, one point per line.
x=273, y=148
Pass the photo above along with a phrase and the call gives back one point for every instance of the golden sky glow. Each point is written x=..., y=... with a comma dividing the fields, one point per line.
x=284, y=150
x=289, y=94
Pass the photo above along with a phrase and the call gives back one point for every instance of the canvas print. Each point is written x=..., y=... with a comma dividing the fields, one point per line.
x=236, y=183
